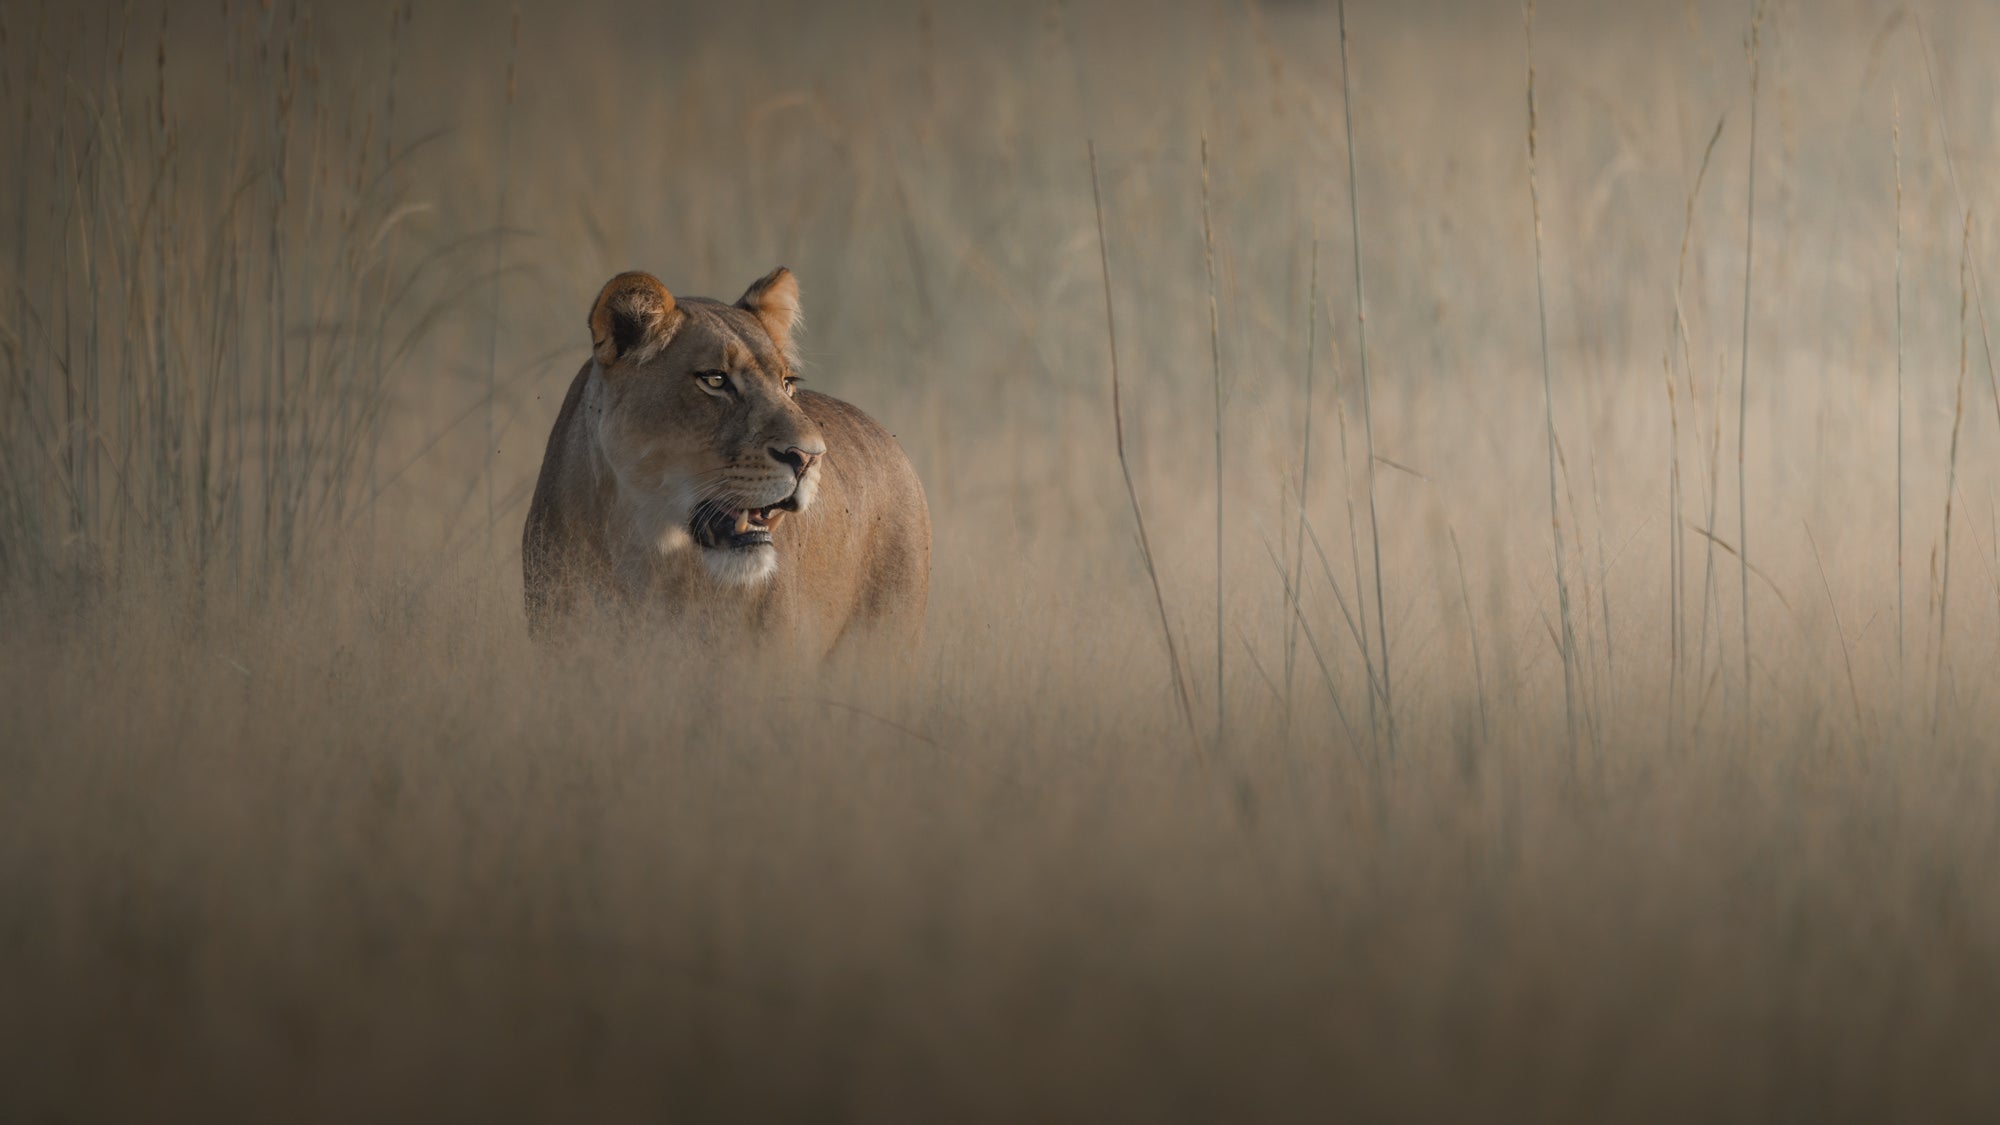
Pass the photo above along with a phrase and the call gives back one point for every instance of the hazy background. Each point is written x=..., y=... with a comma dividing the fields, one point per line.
x=294, y=824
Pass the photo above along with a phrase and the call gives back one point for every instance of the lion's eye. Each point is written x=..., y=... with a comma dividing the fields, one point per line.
x=791, y=384
x=713, y=380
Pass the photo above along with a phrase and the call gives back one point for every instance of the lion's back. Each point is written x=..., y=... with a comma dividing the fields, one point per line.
x=884, y=532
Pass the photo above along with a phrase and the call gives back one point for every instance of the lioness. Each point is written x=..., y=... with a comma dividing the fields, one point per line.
x=688, y=475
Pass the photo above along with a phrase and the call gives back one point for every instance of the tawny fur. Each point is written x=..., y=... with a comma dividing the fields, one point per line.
x=640, y=439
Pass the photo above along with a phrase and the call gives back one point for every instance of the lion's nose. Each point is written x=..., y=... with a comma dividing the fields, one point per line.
x=799, y=459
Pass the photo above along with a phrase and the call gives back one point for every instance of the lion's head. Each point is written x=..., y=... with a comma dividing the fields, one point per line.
x=698, y=423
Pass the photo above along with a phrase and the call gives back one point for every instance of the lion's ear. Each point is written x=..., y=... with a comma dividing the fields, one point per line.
x=774, y=299
x=633, y=319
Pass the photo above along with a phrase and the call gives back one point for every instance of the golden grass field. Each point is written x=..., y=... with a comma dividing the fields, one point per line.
x=296, y=825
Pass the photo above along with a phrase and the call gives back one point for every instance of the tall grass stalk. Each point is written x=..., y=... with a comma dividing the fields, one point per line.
x=1305, y=476
x=17, y=519
x=1839, y=632
x=1367, y=409
x=1743, y=379
x=1348, y=615
x=399, y=19
x=1951, y=470
x=1676, y=536
x=276, y=433
x=1181, y=695
x=1567, y=642
x=1603, y=584
x=1359, y=628
x=1586, y=664
x=1896, y=146
x=1471, y=628
x=499, y=252
x=1711, y=607
x=1215, y=371
x=1675, y=561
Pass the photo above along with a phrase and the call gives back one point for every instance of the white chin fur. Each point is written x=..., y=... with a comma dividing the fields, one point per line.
x=741, y=566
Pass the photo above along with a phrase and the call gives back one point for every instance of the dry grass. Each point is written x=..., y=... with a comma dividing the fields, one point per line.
x=296, y=825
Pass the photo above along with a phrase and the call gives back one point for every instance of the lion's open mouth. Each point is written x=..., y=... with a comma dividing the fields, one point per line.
x=723, y=528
